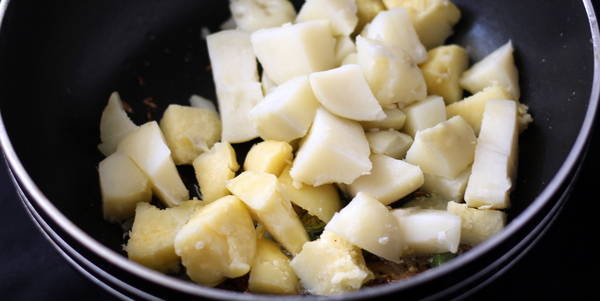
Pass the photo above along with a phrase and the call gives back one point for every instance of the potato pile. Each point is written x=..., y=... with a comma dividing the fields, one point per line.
x=355, y=96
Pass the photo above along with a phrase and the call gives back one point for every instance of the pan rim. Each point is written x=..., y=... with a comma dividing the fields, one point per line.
x=164, y=280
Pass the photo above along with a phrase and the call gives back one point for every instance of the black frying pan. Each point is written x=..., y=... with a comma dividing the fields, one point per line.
x=59, y=61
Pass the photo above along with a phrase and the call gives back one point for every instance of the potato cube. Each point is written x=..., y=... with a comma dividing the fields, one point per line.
x=450, y=189
x=293, y=50
x=433, y=19
x=321, y=201
x=395, y=119
x=269, y=156
x=477, y=225
x=260, y=192
x=445, y=149
x=429, y=231
x=287, y=112
x=330, y=265
x=335, y=151
x=442, y=71
x=366, y=11
x=389, y=181
x=271, y=271
x=424, y=114
x=343, y=47
x=340, y=13
x=252, y=15
x=390, y=143
x=189, y=131
x=122, y=185
x=471, y=108
x=148, y=149
x=496, y=154
x=114, y=125
x=345, y=92
x=213, y=169
x=200, y=102
x=497, y=68
x=394, y=27
x=367, y=223
x=218, y=241
x=391, y=73
x=152, y=237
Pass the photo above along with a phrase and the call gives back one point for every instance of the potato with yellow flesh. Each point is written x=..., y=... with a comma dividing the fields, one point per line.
x=368, y=224
x=252, y=15
x=213, y=169
x=330, y=265
x=290, y=51
x=424, y=114
x=271, y=271
x=477, y=225
x=451, y=189
x=114, y=125
x=471, y=108
x=389, y=181
x=269, y=156
x=219, y=241
x=366, y=11
x=189, y=131
x=442, y=71
x=343, y=47
x=340, y=13
x=148, y=149
x=433, y=19
x=152, y=238
x=320, y=201
x=445, y=149
x=122, y=185
x=395, y=119
x=428, y=232
x=260, y=192
x=390, y=143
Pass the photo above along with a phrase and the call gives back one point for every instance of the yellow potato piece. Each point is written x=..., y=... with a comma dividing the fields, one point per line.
x=477, y=225
x=213, y=169
x=471, y=108
x=269, y=156
x=366, y=11
x=271, y=271
x=442, y=71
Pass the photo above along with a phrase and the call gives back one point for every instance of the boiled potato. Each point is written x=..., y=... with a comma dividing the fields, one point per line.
x=219, y=241
x=390, y=143
x=114, y=125
x=442, y=71
x=200, y=102
x=344, y=46
x=395, y=119
x=429, y=231
x=445, y=149
x=495, y=164
x=294, y=50
x=271, y=271
x=424, y=114
x=451, y=189
x=148, y=149
x=366, y=11
x=252, y=15
x=286, y=113
x=260, y=192
x=189, y=131
x=152, y=237
x=477, y=225
x=330, y=265
x=350, y=59
x=268, y=85
x=389, y=181
x=345, y=92
x=340, y=13
x=213, y=169
x=122, y=185
x=367, y=223
x=335, y=151
x=269, y=156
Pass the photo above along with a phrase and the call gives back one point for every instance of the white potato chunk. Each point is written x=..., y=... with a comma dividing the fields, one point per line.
x=213, y=169
x=287, y=112
x=390, y=143
x=200, y=102
x=450, y=189
x=114, y=125
x=330, y=265
x=395, y=119
x=498, y=68
x=122, y=185
x=477, y=225
x=442, y=71
x=391, y=73
x=271, y=271
x=345, y=92
x=344, y=46
x=269, y=156
x=252, y=15
x=336, y=150
x=495, y=162
x=429, y=231
x=235, y=75
x=424, y=114
x=350, y=59
x=389, y=181
x=294, y=50
x=366, y=11
x=445, y=149
x=260, y=192
x=394, y=27
x=148, y=149
x=341, y=14
x=367, y=223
